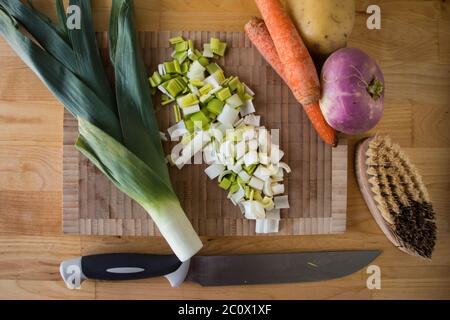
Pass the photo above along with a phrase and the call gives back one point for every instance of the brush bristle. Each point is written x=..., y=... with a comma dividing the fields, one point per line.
x=401, y=196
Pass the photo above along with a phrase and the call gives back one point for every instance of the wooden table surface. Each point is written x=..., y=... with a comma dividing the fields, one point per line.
x=413, y=49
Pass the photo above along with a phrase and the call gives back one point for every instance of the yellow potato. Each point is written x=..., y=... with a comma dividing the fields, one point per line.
x=325, y=25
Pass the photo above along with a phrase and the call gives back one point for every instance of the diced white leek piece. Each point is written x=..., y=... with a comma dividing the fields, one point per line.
x=252, y=120
x=234, y=101
x=247, y=108
x=238, y=166
x=264, y=140
x=278, y=175
x=276, y=154
x=228, y=115
x=196, y=76
x=248, y=90
x=277, y=188
x=230, y=163
x=250, y=158
x=253, y=145
x=227, y=149
x=213, y=81
x=161, y=69
x=241, y=149
x=191, y=109
x=273, y=214
x=238, y=195
x=267, y=203
x=214, y=170
x=263, y=158
x=163, y=136
x=254, y=209
x=285, y=167
x=209, y=154
x=273, y=169
x=281, y=202
x=207, y=51
x=195, y=145
x=249, y=134
x=193, y=89
x=262, y=173
x=223, y=174
x=267, y=189
x=224, y=128
x=244, y=176
x=256, y=183
x=220, y=159
x=196, y=67
x=215, y=90
x=205, y=97
x=177, y=130
x=238, y=122
x=267, y=226
x=241, y=207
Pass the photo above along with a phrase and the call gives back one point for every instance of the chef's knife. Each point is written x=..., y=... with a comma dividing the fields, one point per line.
x=217, y=270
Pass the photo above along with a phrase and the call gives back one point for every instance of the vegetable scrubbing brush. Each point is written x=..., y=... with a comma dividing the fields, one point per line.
x=396, y=196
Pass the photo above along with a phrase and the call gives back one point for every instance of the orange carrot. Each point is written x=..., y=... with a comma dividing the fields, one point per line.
x=259, y=35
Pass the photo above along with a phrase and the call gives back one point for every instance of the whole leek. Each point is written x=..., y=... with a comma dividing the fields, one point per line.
x=118, y=129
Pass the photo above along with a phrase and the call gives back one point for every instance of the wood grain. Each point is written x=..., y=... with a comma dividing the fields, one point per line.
x=91, y=203
x=413, y=50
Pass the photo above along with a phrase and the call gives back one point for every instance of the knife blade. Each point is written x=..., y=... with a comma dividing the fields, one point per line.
x=217, y=270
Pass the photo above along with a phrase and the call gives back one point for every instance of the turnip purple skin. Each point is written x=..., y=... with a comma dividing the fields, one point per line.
x=352, y=91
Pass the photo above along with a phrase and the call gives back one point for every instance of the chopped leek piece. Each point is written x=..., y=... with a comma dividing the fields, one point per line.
x=197, y=83
x=205, y=89
x=234, y=187
x=190, y=110
x=218, y=47
x=207, y=51
x=247, y=108
x=181, y=46
x=223, y=94
x=214, y=170
x=225, y=183
x=250, y=169
x=213, y=68
x=180, y=56
x=254, y=210
x=177, y=113
x=256, y=183
x=228, y=115
x=187, y=100
x=176, y=40
x=191, y=44
x=203, y=61
x=200, y=120
x=155, y=79
x=234, y=101
x=234, y=83
x=215, y=106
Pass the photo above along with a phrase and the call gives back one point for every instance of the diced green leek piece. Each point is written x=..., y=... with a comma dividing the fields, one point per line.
x=177, y=113
x=186, y=90
x=240, y=181
x=189, y=124
x=180, y=56
x=215, y=106
x=205, y=89
x=225, y=183
x=223, y=94
x=241, y=89
x=155, y=79
x=212, y=68
x=218, y=47
x=172, y=66
x=165, y=100
x=234, y=83
x=184, y=67
x=200, y=120
x=191, y=44
x=174, y=86
x=187, y=100
x=206, y=98
x=205, y=111
x=181, y=46
x=233, y=177
x=212, y=116
x=246, y=97
x=192, y=56
x=257, y=195
x=234, y=187
x=203, y=61
x=197, y=83
x=176, y=40
x=247, y=190
x=219, y=76
x=250, y=169
x=225, y=82
x=197, y=52
x=177, y=66
x=166, y=77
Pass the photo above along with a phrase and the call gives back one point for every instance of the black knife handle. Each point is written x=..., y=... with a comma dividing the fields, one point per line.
x=128, y=266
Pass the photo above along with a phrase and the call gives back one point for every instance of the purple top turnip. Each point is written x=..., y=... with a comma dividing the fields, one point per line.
x=352, y=91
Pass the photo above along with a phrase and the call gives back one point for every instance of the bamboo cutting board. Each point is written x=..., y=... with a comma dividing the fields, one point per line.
x=317, y=185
